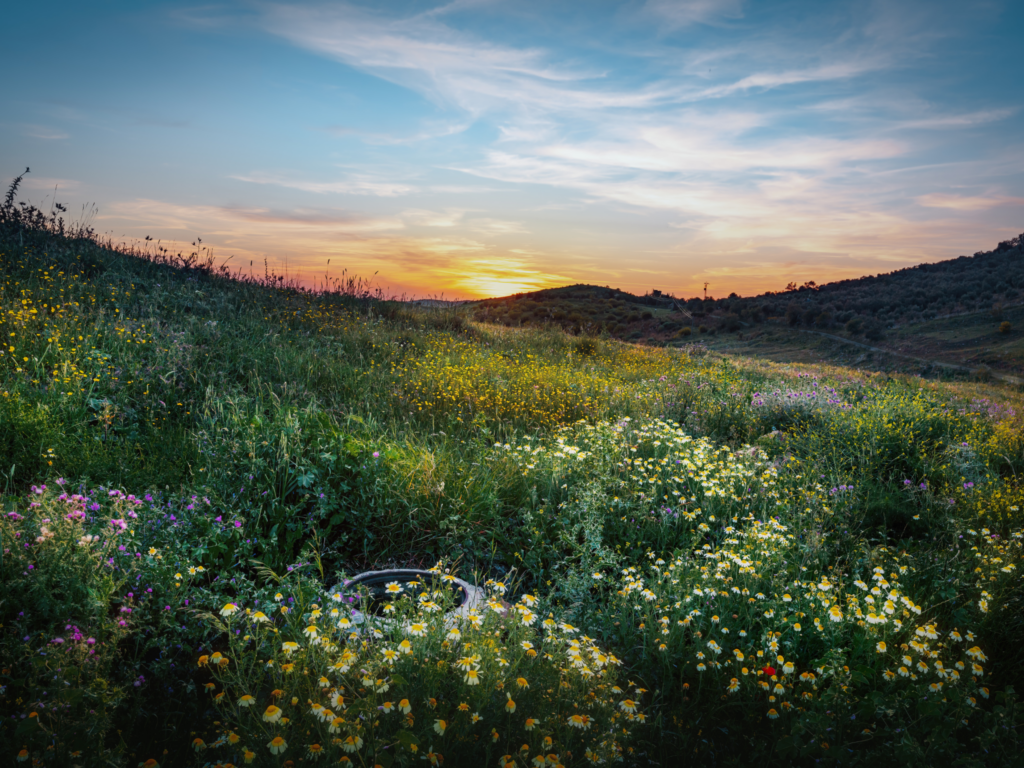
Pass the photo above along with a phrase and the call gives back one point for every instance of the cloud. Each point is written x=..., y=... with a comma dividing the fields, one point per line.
x=45, y=133
x=964, y=120
x=224, y=219
x=966, y=203
x=47, y=184
x=450, y=66
x=682, y=13
x=356, y=186
x=449, y=218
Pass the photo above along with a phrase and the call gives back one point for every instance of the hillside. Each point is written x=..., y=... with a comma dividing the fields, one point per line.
x=965, y=312
x=681, y=552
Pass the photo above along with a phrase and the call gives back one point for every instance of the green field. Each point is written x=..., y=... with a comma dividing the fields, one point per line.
x=690, y=556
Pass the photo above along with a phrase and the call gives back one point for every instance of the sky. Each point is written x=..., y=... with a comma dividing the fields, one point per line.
x=481, y=148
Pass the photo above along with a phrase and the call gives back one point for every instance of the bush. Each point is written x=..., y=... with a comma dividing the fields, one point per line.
x=1005, y=327
x=874, y=333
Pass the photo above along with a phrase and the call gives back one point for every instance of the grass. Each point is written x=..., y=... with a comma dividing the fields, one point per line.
x=195, y=461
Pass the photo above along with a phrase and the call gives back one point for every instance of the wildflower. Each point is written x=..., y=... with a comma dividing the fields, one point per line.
x=418, y=629
x=405, y=706
x=510, y=706
x=627, y=705
x=248, y=755
x=352, y=744
x=260, y=617
x=472, y=677
x=198, y=744
x=834, y=614
x=521, y=682
x=289, y=647
x=880, y=646
x=531, y=723
x=393, y=588
x=772, y=714
x=336, y=725
x=734, y=685
x=579, y=721
x=310, y=632
x=976, y=653
x=272, y=714
x=229, y=609
x=440, y=726
x=246, y=701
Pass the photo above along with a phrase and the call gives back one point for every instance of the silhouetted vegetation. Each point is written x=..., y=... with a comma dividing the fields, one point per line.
x=867, y=306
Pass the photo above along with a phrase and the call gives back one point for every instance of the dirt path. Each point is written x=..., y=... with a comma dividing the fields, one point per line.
x=996, y=375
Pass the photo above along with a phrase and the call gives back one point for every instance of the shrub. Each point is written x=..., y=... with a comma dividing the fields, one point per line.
x=1005, y=327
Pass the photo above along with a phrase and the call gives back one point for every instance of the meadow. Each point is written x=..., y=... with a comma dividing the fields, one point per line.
x=689, y=558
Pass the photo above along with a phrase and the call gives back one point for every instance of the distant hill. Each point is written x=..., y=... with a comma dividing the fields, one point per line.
x=868, y=306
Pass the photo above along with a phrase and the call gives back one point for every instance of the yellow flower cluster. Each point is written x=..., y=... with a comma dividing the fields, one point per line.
x=423, y=677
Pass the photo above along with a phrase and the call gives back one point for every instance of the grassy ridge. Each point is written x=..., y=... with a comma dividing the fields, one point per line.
x=255, y=438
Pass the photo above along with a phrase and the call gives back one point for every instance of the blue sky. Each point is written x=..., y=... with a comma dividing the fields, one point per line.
x=478, y=148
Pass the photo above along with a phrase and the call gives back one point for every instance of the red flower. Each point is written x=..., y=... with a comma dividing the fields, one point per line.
x=769, y=671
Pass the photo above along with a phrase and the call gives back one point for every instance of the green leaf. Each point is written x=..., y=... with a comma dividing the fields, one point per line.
x=407, y=739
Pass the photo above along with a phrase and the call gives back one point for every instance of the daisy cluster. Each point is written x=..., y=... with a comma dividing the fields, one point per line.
x=420, y=680
x=743, y=621
x=655, y=464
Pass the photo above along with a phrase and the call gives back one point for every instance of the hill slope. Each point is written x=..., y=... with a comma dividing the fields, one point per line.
x=964, y=311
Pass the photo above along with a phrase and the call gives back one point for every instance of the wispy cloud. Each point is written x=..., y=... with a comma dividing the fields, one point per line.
x=352, y=186
x=45, y=133
x=451, y=66
x=682, y=13
x=48, y=184
x=967, y=203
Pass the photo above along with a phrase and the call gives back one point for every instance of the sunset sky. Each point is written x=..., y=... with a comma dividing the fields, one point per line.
x=478, y=148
